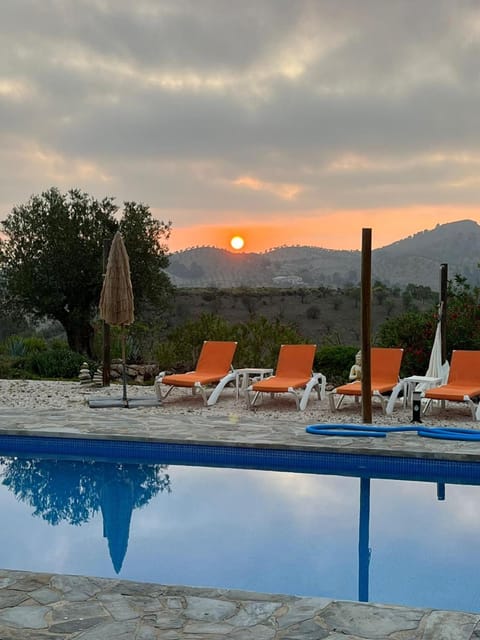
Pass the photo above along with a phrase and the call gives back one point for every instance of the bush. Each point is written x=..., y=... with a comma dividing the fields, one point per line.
x=34, y=344
x=335, y=362
x=258, y=340
x=17, y=346
x=14, y=368
x=182, y=348
x=414, y=332
x=56, y=363
x=58, y=343
x=14, y=346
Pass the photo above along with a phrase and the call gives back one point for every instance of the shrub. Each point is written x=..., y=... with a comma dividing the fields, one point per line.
x=414, y=332
x=14, y=346
x=17, y=346
x=33, y=344
x=58, y=343
x=56, y=363
x=259, y=341
x=14, y=368
x=335, y=362
x=182, y=348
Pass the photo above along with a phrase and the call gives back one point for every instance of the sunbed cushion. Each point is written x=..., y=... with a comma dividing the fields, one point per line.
x=455, y=393
x=355, y=388
x=279, y=384
x=190, y=378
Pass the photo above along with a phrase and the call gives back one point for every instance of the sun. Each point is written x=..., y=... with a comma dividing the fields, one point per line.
x=237, y=243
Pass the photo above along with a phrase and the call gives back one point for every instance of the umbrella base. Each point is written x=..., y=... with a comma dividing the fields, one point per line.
x=132, y=403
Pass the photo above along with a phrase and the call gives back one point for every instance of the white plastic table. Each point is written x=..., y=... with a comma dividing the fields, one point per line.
x=407, y=387
x=244, y=376
x=410, y=383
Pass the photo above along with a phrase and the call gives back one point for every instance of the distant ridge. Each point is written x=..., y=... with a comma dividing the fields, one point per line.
x=415, y=259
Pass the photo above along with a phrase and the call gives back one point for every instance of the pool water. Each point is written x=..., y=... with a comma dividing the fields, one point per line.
x=265, y=531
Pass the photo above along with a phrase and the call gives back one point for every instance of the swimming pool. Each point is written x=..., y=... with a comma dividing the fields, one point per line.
x=272, y=531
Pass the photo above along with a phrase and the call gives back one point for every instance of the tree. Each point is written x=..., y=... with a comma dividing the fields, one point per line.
x=52, y=258
x=71, y=490
x=415, y=330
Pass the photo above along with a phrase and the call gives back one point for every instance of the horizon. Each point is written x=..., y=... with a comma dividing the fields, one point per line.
x=226, y=233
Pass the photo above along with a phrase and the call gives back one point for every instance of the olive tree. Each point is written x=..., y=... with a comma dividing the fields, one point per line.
x=51, y=258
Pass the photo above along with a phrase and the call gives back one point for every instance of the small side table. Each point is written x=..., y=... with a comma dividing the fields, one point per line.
x=244, y=376
x=410, y=383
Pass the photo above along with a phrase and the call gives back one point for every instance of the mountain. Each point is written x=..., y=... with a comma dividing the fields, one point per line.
x=415, y=259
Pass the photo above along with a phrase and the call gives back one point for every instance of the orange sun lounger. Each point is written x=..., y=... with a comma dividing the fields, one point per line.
x=214, y=366
x=463, y=384
x=385, y=370
x=293, y=375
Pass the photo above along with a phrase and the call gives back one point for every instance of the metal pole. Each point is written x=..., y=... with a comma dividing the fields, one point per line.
x=124, y=370
x=106, y=358
x=443, y=308
x=366, y=324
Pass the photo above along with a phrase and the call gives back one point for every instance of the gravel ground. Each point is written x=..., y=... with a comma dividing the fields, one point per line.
x=34, y=394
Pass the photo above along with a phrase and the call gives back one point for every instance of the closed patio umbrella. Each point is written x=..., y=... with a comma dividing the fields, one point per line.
x=436, y=367
x=116, y=299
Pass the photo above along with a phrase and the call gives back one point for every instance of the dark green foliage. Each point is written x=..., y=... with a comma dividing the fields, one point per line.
x=258, y=340
x=55, y=363
x=52, y=258
x=14, y=346
x=335, y=362
x=463, y=315
x=147, y=252
x=414, y=332
x=182, y=348
x=18, y=346
x=13, y=368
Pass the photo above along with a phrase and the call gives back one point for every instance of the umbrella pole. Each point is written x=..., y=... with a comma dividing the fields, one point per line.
x=124, y=372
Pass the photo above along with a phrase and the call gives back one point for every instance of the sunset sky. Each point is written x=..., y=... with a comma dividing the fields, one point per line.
x=284, y=121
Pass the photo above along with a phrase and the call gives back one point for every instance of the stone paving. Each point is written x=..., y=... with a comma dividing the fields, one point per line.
x=40, y=606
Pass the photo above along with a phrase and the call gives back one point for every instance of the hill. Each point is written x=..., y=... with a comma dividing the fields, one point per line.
x=415, y=259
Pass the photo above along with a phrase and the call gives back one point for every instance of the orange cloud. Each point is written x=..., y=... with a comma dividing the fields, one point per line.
x=282, y=190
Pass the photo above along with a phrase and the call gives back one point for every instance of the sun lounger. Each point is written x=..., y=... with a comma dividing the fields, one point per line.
x=214, y=367
x=463, y=384
x=293, y=375
x=385, y=369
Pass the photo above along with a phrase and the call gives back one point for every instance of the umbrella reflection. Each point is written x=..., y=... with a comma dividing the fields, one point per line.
x=116, y=502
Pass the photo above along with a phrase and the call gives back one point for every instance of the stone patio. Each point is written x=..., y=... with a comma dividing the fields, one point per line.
x=40, y=606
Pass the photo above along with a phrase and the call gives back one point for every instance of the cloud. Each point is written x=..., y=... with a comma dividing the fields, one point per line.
x=277, y=108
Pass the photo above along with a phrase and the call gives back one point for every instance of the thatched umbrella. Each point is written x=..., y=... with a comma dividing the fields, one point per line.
x=116, y=299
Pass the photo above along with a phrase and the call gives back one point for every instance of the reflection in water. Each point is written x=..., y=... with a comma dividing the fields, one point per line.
x=74, y=491
x=364, y=550
x=273, y=532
